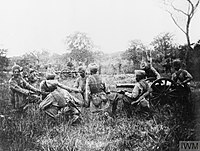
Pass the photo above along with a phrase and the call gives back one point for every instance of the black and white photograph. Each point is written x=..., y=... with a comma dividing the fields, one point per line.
x=99, y=75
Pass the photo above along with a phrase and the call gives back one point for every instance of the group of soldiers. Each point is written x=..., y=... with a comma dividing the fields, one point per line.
x=55, y=98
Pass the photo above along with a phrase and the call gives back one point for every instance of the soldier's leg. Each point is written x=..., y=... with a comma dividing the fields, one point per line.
x=127, y=106
x=114, y=98
x=52, y=111
x=75, y=115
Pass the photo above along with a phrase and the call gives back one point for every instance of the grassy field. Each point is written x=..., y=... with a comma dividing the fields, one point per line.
x=35, y=131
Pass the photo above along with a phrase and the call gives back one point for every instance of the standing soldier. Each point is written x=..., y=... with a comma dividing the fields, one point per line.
x=95, y=90
x=81, y=82
x=20, y=89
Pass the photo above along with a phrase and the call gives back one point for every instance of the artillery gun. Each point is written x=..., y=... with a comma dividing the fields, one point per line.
x=162, y=91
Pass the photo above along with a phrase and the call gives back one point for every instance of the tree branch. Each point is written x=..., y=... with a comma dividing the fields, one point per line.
x=189, y=1
x=176, y=22
x=178, y=10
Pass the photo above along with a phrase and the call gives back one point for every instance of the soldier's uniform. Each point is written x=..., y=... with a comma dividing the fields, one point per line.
x=95, y=90
x=33, y=78
x=81, y=82
x=59, y=100
x=138, y=94
x=19, y=90
x=181, y=76
x=150, y=71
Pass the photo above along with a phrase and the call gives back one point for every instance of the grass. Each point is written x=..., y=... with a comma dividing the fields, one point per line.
x=36, y=131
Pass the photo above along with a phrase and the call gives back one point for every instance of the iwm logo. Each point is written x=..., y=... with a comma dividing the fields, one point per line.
x=189, y=146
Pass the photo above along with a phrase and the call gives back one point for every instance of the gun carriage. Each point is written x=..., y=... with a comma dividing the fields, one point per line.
x=163, y=91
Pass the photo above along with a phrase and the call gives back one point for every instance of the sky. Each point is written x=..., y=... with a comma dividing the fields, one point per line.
x=36, y=25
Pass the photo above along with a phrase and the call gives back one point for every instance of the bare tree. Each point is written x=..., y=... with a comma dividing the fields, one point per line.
x=182, y=12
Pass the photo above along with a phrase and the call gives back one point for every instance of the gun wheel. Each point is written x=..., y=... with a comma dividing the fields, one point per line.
x=163, y=92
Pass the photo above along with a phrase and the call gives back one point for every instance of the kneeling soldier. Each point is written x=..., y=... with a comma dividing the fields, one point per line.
x=138, y=95
x=59, y=100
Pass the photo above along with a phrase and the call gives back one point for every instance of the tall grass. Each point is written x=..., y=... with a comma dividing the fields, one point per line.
x=34, y=130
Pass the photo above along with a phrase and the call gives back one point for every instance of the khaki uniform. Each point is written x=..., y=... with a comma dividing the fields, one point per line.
x=95, y=93
x=151, y=73
x=137, y=97
x=80, y=84
x=181, y=76
x=19, y=91
x=59, y=100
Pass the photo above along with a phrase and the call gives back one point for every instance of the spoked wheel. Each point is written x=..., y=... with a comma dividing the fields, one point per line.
x=163, y=92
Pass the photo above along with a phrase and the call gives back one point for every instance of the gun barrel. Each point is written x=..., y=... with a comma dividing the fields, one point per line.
x=125, y=85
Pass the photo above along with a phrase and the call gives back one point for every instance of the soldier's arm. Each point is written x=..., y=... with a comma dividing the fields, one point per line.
x=135, y=92
x=30, y=87
x=13, y=86
x=87, y=90
x=105, y=87
x=149, y=89
x=67, y=88
x=76, y=85
x=156, y=72
x=188, y=77
x=174, y=77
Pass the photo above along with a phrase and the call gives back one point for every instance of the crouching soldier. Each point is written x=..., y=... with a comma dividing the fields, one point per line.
x=138, y=95
x=59, y=100
x=20, y=90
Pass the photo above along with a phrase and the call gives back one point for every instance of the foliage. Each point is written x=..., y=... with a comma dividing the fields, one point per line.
x=35, y=131
x=135, y=52
x=80, y=47
x=4, y=62
x=163, y=44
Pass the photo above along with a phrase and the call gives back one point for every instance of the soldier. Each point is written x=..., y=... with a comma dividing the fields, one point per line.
x=150, y=71
x=95, y=90
x=81, y=82
x=20, y=89
x=181, y=76
x=33, y=77
x=138, y=95
x=59, y=100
